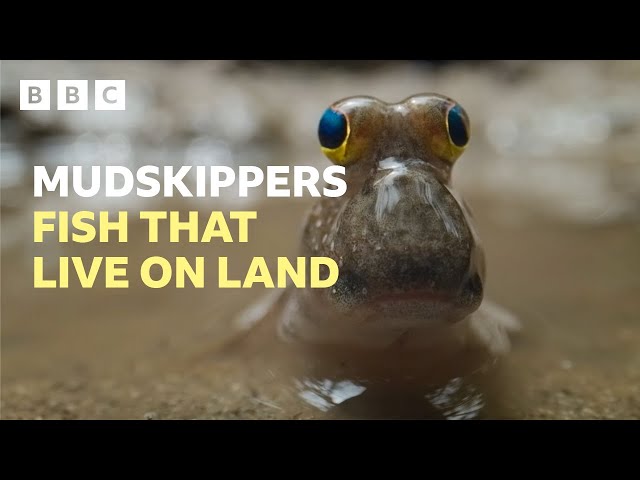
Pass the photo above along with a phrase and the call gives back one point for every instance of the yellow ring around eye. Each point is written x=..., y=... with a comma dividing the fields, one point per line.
x=339, y=155
x=461, y=133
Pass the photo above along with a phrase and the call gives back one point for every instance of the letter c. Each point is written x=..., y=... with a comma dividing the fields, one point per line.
x=104, y=95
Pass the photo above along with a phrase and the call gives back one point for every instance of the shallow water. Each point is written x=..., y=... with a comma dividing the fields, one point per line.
x=106, y=353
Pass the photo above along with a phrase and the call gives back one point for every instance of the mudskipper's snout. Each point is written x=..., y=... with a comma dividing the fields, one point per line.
x=404, y=239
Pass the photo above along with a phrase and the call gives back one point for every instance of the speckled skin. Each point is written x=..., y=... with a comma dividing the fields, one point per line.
x=411, y=265
x=400, y=237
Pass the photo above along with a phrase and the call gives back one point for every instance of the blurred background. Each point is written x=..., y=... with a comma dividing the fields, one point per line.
x=552, y=174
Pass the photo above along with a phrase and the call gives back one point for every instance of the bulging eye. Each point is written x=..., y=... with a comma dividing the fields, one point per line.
x=458, y=126
x=333, y=129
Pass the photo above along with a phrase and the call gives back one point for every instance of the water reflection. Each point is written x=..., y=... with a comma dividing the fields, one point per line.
x=325, y=394
x=458, y=399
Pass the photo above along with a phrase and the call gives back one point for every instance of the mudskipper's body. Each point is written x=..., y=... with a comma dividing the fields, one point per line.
x=409, y=299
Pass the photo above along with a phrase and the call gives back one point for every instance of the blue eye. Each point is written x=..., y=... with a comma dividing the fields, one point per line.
x=458, y=129
x=332, y=130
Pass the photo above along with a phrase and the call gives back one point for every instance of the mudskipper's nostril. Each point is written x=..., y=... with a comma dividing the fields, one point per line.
x=350, y=288
x=473, y=289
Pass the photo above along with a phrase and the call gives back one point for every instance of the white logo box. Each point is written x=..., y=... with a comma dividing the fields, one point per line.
x=73, y=95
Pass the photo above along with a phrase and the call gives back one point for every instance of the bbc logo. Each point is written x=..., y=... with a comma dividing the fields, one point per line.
x=72, y=95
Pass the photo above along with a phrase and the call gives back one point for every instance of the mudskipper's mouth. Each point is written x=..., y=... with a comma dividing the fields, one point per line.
x=419, y=295
x=413, y=306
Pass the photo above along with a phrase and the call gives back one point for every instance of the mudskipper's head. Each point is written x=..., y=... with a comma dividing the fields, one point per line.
x=407, y=252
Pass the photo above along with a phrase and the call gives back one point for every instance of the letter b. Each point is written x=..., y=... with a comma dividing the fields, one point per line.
x=34, y=95
x=73, y=94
